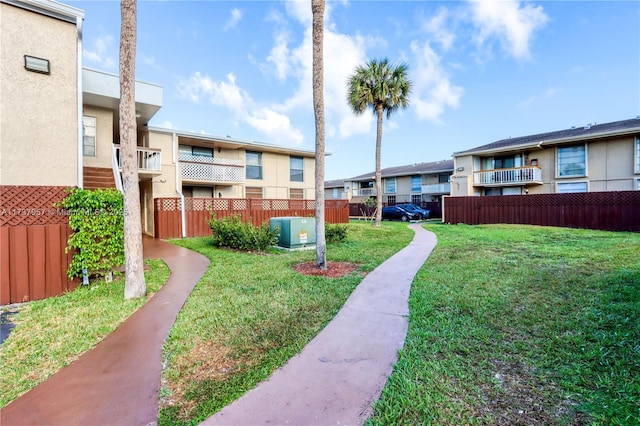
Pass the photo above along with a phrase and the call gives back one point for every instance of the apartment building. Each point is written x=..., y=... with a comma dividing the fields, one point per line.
x=590, y=158
x=60, y=125
x=414, y=183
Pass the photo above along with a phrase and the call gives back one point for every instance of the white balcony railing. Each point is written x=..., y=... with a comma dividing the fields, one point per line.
x=365, y=192
x=149, y=159
x=437, y=188
x=209, y=169
x=516, y=176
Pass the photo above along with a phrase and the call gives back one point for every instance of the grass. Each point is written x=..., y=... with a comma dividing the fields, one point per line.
x=51, y=333
x=521, y=325
x=508, y=325
x=251, y=313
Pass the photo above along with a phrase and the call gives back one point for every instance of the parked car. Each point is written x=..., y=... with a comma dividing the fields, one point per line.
x=424, y=214
x=398, y=213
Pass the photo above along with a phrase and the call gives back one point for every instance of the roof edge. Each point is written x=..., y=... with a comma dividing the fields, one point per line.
x=50, y=8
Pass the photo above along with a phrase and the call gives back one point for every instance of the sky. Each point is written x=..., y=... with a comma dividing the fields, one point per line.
x=481, y=70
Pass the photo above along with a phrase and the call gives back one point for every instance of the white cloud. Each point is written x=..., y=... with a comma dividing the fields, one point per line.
x=102, y=52
x=510, y=21
x=438, y=28
x=275, y=126
x=280, y=55
x=166, y=124
x=347, y=51
x=432, y=89
x=236, y=16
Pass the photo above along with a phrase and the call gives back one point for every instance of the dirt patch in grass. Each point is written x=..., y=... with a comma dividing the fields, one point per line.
x=207, y=361
x=334, y=269
x=520, y=398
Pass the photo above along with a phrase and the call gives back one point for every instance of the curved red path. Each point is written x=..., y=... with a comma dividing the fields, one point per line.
x=116, y=382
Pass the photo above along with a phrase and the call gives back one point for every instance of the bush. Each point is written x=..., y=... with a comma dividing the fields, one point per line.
x=96, y=218
x=232, y=233
x=335, y=232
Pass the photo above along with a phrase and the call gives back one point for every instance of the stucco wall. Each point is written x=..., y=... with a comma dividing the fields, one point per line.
x=164, y=185
x=104, y=136
x=38, y=112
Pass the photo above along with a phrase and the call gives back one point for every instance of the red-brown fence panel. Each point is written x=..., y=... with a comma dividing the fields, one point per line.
x=198, y=211
x=611, y=211
x=33, y=239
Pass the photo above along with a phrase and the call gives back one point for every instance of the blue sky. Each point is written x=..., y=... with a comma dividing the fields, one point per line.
x=482, y=70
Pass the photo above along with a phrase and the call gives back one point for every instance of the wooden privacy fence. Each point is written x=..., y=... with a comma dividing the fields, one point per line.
x=168, y=216
x=611, y=211
x=33, y=238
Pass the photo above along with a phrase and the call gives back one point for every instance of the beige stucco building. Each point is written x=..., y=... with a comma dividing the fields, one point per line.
x=40, y=92
x=595, y=157
x=59, y=125
x=414, y=183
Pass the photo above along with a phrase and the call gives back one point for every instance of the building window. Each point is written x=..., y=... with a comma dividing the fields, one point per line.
x=197, y=151
x=566, y=187
x=253, y=192
x=390, y=185
x=391, y=200
x=334, y=193
x=638, y=154
x=638, y=184
x=572, y=161
x=296, y=165
x=296, y=193
x=443, y=178
x=416, y=184
x=254, y=165
x=88, y=136
x=492, y=191
x=416, y=199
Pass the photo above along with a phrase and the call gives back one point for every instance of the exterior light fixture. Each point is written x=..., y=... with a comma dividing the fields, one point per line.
x=34, y=64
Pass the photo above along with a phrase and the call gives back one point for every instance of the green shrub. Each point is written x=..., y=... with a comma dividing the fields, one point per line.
x=96, y=218
x=232, y=233
x=335, y=232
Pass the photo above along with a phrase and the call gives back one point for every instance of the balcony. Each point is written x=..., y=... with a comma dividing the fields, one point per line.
x=508, y=177
x=365, y=192
x=220, y=171
x=437, y=188
x=149, y=160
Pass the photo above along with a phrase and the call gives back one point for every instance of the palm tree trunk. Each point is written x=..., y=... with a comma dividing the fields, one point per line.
x=317, y=8
x=379, y=166
x=135, y=285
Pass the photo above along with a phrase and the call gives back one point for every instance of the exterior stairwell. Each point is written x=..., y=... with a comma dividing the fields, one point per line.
x=98, y=178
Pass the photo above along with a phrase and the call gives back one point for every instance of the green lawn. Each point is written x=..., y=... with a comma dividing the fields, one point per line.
x=251, y=313
x=51, y=333
x=508, y=325
x=521, y=325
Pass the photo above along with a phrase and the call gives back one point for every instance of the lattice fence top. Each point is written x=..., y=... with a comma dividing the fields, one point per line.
x=570, y=199
x=236, y=204
x=31, y=205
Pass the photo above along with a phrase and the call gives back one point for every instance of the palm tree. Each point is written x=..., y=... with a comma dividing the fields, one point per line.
x=317, y=8
x=135, y=285
x=385, y=88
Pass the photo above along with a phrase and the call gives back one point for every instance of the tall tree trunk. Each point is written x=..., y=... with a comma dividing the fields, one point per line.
x=317, y=8
x=379, y=166
x=135, y=285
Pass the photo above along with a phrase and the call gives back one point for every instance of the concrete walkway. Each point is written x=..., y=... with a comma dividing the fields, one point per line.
x=341, y=372
x=117, y=382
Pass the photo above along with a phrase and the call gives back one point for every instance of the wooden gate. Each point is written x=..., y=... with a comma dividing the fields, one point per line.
x=33, y=239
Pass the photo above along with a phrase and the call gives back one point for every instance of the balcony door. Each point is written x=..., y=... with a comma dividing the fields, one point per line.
x=502, y=162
